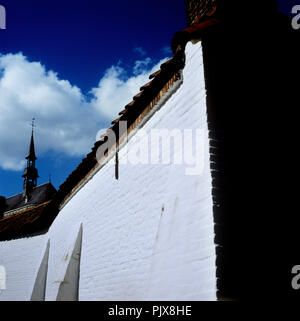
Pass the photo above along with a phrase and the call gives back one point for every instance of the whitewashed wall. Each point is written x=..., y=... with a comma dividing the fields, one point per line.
x=21, y=259
x=148, y=235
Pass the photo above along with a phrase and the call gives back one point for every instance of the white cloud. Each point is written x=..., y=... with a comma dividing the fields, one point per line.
x=115, y=89
x=140, y=51
x=67, y=121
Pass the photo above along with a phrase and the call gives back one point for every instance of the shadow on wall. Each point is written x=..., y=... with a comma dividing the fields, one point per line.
x=69, y=286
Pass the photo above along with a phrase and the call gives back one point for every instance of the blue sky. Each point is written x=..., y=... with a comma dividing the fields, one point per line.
x=80, y=39
x=73, y=65
x=286, y=6
x=69, y=47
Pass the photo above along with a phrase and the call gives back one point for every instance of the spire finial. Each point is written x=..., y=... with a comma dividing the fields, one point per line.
x=32, y=124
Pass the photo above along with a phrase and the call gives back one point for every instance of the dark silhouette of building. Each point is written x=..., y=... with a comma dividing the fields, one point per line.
x=250, y=57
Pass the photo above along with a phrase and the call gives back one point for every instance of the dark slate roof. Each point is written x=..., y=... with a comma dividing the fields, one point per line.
x=38, y=195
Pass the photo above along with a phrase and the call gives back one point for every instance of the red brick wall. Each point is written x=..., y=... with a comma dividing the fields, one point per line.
x=197, y=9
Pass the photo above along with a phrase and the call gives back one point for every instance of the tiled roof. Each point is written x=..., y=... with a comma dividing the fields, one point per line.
x=22, y=219
x=27, y=222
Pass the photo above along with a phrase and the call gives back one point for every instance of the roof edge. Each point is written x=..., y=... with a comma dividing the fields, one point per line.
x=182, y=37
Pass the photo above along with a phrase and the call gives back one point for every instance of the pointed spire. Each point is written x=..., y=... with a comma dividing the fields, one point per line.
x=31, y=152
x=30, y=174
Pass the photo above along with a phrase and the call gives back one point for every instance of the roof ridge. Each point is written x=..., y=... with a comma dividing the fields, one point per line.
x=46, y=183
x=13, y=196
x=33, y=189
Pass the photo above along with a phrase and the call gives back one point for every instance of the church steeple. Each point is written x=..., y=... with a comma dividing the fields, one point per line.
x=30, y=174
x=31, y=152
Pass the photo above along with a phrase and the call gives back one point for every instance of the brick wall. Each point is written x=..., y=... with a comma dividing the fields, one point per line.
x=21, y=259
x=198, y=9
